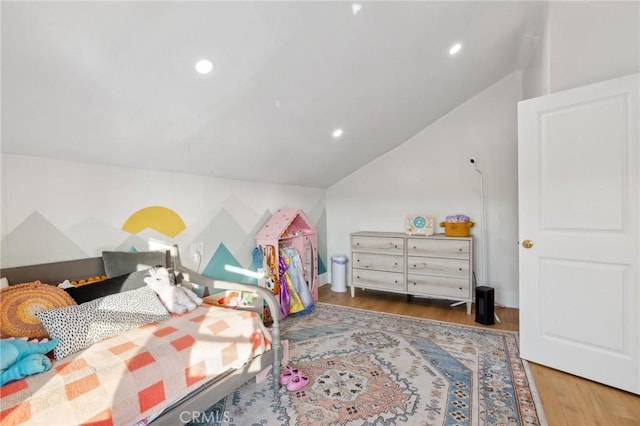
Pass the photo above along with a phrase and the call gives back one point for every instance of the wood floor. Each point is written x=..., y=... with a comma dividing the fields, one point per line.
x=567, y=400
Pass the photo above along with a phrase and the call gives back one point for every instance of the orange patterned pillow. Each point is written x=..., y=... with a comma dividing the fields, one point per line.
x=19, y=303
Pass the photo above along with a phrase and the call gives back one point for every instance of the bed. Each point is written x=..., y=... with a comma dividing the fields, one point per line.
x=166, y=372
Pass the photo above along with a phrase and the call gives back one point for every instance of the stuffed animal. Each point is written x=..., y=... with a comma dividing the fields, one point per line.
x=231, y=300
x=19, y=358
x=236, y=299
x=176, y=299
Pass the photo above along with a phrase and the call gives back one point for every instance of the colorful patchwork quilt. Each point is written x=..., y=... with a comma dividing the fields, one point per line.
x=128, y=378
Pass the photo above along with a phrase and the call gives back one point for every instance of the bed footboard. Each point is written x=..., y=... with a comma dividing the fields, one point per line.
x=185, y=274
x=192, y=406
x=195, y=278
x=182, y=411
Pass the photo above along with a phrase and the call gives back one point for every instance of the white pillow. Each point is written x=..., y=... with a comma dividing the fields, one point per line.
x=4, y=283
x=80, y=326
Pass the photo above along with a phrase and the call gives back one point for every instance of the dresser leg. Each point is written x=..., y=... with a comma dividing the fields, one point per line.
x=408, y=298
x=468, y=308
x=353, y=293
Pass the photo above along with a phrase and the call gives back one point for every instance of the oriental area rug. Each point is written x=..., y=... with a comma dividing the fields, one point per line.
x=370, y=368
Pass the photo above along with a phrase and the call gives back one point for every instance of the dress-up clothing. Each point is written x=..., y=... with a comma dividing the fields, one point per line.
x=296, y=272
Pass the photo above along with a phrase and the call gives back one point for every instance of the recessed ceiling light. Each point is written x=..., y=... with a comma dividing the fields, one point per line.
x=337, y=133
x=455, y=49
x=204, y=66
x=355, y=8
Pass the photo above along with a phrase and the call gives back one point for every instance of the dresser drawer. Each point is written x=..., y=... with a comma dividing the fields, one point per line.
x=390, y=245
x=438, y=286
x=438, y=266
x=379, y=262
x=453, y=248
x=378, y=279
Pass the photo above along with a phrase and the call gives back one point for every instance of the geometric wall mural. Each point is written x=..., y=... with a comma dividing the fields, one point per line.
x=218, y=267
x=321, y=228
x=81, y=212
x=36, y=240
x=224, y=241
x=321, y=266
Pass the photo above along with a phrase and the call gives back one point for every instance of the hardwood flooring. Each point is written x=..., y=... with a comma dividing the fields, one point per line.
x=566, y=399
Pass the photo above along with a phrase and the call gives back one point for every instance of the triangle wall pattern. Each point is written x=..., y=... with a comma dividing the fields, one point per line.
x=38, y=240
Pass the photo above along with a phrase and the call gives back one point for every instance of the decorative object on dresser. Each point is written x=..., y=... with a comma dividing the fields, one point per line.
x=457, y=225
x=419, y=225
x=432, y=266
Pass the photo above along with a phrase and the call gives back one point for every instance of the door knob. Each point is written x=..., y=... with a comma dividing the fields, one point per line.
x=527, y=244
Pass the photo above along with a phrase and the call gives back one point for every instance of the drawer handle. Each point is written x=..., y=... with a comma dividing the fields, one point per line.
x=459, y=269
x=414, y=247
x=459, y=249
x=395, y=263
x=358, y=276
x=395, y=246
x=357, y=244
x=414, y=265
x=460, y=288
x=358, y=260
x=396, y=281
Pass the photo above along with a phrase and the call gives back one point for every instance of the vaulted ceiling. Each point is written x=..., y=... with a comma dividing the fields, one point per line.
x=114, y=82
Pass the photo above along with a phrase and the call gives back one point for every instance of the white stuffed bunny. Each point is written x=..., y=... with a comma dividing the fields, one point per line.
x=175, y=298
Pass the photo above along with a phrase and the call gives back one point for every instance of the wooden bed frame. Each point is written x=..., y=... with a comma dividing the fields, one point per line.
x=204, y=397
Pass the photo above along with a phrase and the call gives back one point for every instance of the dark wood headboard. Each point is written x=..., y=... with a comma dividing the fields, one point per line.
x=56, y=272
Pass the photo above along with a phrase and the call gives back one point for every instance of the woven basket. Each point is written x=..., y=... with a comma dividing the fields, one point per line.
x=459, y=229
x=19, y=303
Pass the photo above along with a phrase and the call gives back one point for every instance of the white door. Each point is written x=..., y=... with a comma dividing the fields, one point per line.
x=579, y=203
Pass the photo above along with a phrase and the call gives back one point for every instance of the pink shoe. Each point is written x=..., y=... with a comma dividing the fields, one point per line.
x=287, y=374
x=297, y=382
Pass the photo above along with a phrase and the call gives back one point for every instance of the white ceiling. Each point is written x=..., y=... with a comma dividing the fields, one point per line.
x=114, y=82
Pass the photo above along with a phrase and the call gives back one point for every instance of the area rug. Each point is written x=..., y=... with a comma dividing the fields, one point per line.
x=370, y=368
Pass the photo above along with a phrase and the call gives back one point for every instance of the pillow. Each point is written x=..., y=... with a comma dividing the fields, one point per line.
x=80, y=326
x=118, y=263
x=4, y=283
x=87, y=293
x=19, y=303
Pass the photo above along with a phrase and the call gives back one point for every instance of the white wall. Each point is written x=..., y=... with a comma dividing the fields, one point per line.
x=592, y=41
x=583, y=43
x=535, y=77
x=431, y=174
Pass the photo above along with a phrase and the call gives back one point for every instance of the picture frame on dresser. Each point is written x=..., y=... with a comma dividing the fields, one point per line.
x=419, y=224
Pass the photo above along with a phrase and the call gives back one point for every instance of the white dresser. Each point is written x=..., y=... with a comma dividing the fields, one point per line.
x=435, y=266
